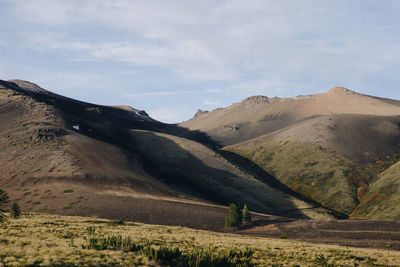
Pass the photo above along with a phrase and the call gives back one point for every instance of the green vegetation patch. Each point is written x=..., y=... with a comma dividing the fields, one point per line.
x=308, y=169
x=381, y=200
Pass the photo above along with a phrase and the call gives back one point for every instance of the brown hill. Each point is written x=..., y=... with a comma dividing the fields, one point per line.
x=259, y=115
x=329, y=147
x=65, y=156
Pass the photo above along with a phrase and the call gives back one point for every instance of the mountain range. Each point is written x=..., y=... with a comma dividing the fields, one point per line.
x=325, y=156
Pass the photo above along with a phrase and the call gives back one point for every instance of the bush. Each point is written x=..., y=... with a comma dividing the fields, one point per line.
x=246, y=214
x=321, y=260
x=16, y=211
x=234, y=217
x=164, y=255
x=4, y=199
x=212, y=257
x=115, y=242
x=167, y=256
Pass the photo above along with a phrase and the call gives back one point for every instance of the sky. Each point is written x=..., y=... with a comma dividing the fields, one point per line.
x=174, y=57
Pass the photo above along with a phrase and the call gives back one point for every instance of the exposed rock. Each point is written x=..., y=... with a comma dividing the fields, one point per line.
x=257, y=99
x=200, y=113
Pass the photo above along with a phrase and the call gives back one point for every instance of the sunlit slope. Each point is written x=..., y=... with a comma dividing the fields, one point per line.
x=327, y=158
x=259, y=115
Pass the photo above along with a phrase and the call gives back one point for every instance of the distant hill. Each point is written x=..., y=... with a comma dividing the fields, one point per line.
x=65, y=156
x=330, y=147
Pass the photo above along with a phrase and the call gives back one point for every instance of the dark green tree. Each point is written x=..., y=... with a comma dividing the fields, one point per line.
x=4, y=199
x=246, y=214
x=234, y=217
x=16, y=211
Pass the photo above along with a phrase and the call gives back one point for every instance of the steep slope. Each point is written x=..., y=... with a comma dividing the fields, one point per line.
x=65, y=156
x=328, y=147
x=381, y=202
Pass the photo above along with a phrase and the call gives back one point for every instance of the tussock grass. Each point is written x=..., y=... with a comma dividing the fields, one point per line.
x=53, y=240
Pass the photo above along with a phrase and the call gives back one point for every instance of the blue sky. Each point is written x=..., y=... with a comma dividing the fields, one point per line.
x=171, y=58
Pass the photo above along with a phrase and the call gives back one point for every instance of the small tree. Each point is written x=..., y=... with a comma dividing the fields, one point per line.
x=234, y=217
x=4, y=199
x=246, y=214
x=16, y=211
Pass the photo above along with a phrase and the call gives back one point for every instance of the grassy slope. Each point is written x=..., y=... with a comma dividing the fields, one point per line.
x=49, y=240
x=381, y=202
x=307, y=169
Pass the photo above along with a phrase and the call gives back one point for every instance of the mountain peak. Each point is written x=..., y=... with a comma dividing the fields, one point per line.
x=338, y=90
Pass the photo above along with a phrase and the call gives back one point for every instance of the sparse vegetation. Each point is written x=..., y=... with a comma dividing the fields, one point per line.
x=246, y=214
x=112, y=243
x=67, y=191
x=234, y=217
x=4, y=199
x=321, y=260
x=15, y=210
x=283, y=236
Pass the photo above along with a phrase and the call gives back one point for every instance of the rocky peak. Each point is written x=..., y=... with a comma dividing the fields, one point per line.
x=200, y=113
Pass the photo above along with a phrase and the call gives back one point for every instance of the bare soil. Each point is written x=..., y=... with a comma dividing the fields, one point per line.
x=352, y=233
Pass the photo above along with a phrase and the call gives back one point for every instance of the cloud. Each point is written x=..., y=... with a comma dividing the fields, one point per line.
x=209, y=103
x=230, y=49
x=219, y=41
x=159, y=93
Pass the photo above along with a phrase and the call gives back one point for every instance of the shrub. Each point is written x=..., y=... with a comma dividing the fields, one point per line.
x=167, y=256
x=321, y=260
x=164, y=255
x=4, y=199
x=283, y=236
x=246, y=214
x=115, y=242
x=16, y=211
x=234, y=217
x=212, y=257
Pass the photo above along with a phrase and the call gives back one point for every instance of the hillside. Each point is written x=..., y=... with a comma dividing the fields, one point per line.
x=381, y=202
x=259, y=115
x=328, y=147
x=64, y=156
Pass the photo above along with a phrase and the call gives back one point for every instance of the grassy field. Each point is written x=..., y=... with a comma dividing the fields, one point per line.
x=53, y=240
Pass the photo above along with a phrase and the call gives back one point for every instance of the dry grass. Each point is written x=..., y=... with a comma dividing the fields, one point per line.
x=48, y=240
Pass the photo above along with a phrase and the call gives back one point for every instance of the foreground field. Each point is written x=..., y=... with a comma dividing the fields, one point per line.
x=53, y=240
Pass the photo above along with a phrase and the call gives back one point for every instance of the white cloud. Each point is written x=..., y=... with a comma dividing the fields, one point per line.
x=249, y=47
x=209, y=41
x=209, y=103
